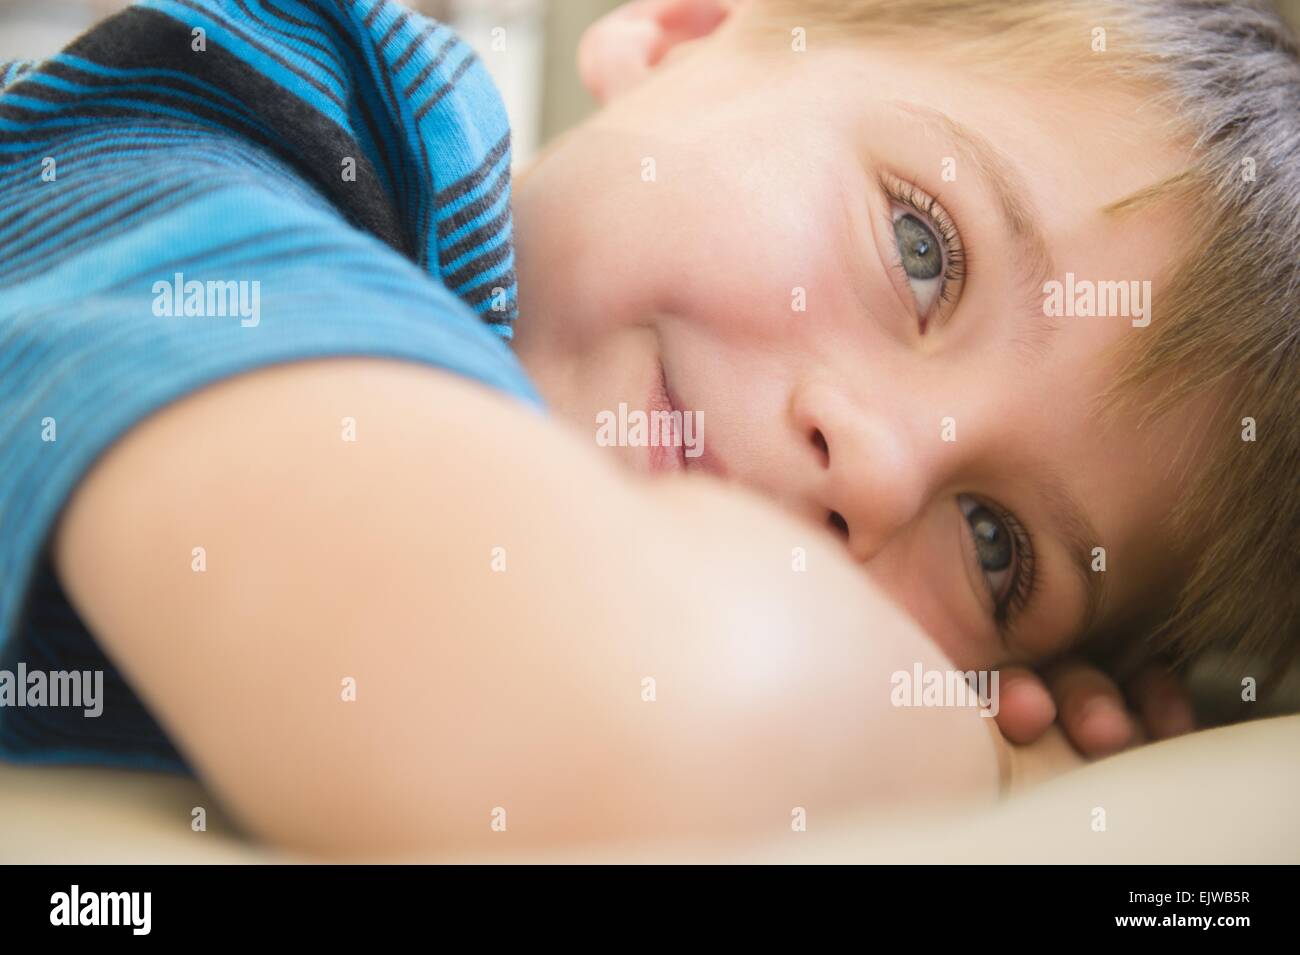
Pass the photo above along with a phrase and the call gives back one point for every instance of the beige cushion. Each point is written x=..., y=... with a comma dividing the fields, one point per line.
x=1224, y=795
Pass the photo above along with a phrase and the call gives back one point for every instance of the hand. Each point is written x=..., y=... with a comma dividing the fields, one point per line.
x=1091, y=708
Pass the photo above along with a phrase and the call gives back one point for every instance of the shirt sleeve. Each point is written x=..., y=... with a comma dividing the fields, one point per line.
x=195, y=189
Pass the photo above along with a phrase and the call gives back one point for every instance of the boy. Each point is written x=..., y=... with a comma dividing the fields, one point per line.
x=405, y=608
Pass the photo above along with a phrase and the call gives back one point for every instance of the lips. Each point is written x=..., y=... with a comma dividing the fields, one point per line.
x=664, y=458
x=668, y=458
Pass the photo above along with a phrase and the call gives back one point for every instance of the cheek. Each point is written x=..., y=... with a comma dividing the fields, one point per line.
x=763, y=291
x=746, y=255
x=923, y=571
x=745, y=233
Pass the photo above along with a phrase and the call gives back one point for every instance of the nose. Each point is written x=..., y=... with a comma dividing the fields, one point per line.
x=868, y=477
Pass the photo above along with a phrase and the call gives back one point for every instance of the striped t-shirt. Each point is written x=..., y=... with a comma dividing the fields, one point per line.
x=194, y=189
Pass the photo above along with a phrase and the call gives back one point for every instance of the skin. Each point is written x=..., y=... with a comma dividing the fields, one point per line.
x=509, y=689
x=768, y=178
x=475, y=689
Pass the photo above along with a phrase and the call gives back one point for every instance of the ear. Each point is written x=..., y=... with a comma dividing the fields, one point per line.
x=622, y=47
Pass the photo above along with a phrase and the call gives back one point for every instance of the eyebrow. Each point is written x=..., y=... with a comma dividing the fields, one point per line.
x=1020, y=219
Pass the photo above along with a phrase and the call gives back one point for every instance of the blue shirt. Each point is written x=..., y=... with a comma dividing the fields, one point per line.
x=198, y=188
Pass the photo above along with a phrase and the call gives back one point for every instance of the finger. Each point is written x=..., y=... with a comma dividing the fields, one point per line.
x=1162, y=702
x=1025, y=708
x=1092, y=709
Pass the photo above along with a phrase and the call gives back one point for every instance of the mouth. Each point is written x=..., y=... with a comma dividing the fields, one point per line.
x=670, y=454
x=664, y=457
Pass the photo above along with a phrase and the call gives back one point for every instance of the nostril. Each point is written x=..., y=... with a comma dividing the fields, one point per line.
x=819, y=442
x=838, y=523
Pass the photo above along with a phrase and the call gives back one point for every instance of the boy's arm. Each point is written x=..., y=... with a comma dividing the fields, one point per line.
x=638, y=658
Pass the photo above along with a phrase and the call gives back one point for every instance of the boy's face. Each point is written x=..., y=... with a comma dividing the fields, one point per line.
x=940, y=422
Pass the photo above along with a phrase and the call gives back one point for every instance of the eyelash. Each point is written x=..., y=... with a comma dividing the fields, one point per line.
x=955, y=258
x=1022, y=585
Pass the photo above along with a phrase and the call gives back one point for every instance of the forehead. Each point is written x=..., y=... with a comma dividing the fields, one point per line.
x=1080, y=127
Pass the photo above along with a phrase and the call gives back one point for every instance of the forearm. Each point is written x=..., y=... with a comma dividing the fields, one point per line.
x=478, y=688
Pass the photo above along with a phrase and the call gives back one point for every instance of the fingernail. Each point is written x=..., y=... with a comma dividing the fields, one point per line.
x=1107, y=722
x=1177, y=718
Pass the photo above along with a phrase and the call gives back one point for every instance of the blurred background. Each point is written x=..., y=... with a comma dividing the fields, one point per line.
x=536, y=71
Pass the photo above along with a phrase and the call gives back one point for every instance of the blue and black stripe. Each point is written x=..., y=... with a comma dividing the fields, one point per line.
x=350, y=157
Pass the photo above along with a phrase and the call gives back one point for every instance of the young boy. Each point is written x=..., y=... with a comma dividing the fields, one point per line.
x=877, y=248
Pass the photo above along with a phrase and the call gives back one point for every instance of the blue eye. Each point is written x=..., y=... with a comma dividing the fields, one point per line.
x=921, y=255
x=1002, y=552
x=919, y=249
x=930, y=252
x=993, y=545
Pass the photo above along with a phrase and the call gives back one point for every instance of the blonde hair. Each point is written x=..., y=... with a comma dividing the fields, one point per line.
x=1226, y=75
